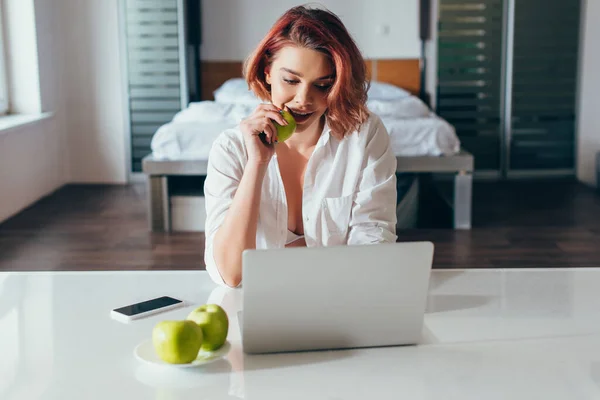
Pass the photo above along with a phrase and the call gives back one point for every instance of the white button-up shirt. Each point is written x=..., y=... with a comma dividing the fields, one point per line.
x=349, y=194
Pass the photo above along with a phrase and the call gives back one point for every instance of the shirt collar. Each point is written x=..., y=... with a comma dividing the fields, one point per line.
x=326, y=134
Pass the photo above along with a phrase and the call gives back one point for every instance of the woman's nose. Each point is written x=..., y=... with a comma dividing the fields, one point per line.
x=303, y=96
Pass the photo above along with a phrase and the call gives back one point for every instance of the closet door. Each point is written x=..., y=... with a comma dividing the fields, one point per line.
x=545, y=57
x=470, y=41
x=152, y=33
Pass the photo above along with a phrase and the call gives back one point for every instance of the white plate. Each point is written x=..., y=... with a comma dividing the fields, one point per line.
x=145, y=353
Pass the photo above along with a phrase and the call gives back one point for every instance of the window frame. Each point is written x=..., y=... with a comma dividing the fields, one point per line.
x=4, y=92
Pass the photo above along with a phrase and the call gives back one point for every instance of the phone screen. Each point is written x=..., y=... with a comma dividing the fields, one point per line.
x=147, y=305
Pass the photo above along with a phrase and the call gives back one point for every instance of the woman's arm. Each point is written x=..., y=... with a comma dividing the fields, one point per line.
x=373, y=218
x=237, y=166
x=238, y=231
x=232, y=191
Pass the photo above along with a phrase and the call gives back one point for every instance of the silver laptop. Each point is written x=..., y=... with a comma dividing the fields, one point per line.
x=298, y=299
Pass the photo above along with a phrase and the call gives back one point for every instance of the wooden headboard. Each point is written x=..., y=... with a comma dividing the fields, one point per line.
x=404, y=73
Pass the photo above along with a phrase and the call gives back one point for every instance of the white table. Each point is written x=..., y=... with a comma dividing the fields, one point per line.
x=489, y=334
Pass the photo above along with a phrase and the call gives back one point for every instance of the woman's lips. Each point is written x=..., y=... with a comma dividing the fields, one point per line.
x=301, y=116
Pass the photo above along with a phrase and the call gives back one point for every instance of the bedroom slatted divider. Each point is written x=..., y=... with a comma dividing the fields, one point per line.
x=469, y=75
x=154, y=64
x=507, y=80
x=545, y=61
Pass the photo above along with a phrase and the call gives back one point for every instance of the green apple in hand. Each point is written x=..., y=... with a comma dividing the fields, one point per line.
x=285, y=131
x=214, y=323
x=177, y=342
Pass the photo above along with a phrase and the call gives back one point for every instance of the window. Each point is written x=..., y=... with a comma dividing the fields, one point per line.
x=3, y=80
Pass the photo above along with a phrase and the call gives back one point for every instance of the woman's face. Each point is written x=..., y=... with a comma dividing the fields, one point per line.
x=300, y=79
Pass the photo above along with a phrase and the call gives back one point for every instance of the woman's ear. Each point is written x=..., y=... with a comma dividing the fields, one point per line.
x=268, y=75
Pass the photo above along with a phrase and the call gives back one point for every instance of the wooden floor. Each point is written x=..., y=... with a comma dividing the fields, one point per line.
x=516, y=224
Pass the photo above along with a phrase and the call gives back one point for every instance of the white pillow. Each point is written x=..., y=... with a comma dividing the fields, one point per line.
x=386, y=91
x=203, y=111
x=407, y=107
x=210, y=111
x=235, y=91
x=233, y=85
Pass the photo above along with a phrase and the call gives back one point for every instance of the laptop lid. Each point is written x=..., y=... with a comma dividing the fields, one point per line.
x=317, y=298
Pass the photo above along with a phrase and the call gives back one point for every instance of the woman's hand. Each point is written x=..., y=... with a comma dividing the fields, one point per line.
x=261, y=121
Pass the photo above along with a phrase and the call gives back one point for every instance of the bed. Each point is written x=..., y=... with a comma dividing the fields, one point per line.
x=422, y=141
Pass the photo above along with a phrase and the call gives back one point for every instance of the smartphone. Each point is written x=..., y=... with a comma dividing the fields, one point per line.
x=146, y=308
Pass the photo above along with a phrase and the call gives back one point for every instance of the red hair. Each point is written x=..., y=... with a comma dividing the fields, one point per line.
x=323, y=31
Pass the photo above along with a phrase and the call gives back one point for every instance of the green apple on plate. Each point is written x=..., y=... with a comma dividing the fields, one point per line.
x=285, y=131
x=177, y=342
x=213, y=321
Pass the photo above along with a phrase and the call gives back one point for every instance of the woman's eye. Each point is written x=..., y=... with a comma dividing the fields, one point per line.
x=321, y=86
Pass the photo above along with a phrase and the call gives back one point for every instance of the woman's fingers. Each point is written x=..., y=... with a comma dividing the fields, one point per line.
x=270, y=131
x=265, y=131
x=268, y=107
x=276, y=116
x=262, y=122
x=272, y=112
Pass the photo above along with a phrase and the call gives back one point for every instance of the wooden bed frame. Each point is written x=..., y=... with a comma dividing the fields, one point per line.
x=402, y=73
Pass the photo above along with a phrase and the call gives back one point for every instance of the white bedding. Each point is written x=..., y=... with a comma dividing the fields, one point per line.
x=414, y=130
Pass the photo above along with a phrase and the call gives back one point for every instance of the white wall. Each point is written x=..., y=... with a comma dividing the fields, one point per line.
x=32, y=158
x=589, y=96
x=232, y=28
x=80, y=83
x=22, y=57
x=94, y=103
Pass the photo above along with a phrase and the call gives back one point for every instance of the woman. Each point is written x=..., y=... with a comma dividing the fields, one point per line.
x=331, y=183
